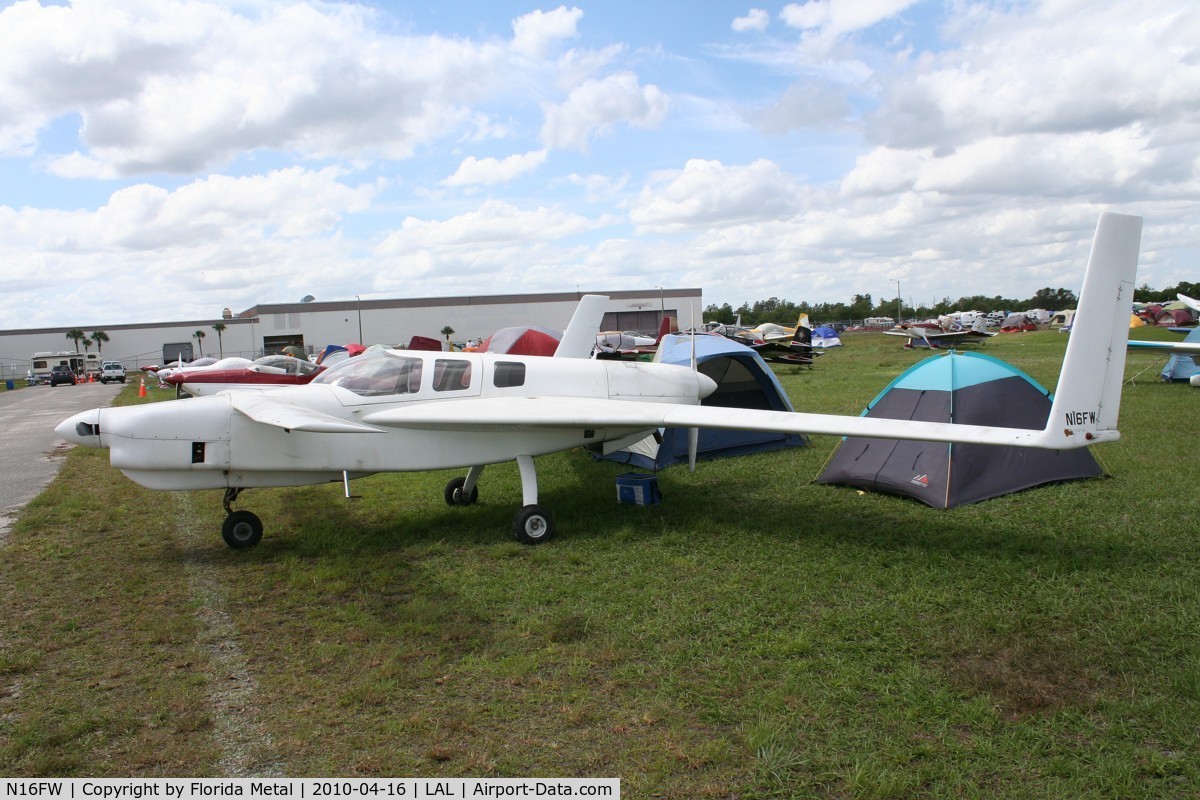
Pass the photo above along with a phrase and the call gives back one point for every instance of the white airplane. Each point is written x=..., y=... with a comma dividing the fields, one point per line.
x=398, y=410
x=1190, y=302
x=945, y=332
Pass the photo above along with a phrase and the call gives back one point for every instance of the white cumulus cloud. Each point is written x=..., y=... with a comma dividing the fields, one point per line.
x=536, y=33
x=708, y=193
x=595, y=107
x=490, y=171
x=756, y=19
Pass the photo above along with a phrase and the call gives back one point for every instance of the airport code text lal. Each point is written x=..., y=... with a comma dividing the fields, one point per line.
x=132, y=789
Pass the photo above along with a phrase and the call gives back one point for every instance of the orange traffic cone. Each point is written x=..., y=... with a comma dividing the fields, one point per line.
x=142, y=388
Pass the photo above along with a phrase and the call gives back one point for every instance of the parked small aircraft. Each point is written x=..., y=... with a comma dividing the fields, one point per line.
x=788, y=345
x=942, y=333
x=738, y=332
x=406, y=411
x=268, y=372
x=1190, y=302
x=630, y=344
x=773, y=332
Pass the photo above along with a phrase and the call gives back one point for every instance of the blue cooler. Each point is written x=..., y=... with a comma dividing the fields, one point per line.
x=635, y=489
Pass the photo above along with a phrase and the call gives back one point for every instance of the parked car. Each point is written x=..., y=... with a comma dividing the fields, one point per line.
x=61, y=373
x=112, y=371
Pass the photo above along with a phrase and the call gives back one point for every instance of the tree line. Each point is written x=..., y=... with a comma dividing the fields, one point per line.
x=98, y=338
x=862, y=306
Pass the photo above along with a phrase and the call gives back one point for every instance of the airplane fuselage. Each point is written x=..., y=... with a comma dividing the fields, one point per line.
x=207, y=442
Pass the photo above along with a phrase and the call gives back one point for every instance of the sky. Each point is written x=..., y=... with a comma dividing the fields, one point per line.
x=165, y=160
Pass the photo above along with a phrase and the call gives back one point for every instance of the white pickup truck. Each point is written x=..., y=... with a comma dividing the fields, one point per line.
x=112, y=371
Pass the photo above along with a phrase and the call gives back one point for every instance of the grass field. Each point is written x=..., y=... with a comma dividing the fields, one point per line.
x=754, y=636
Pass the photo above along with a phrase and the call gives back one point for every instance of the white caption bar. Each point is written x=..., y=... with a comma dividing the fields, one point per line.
x=308, y=788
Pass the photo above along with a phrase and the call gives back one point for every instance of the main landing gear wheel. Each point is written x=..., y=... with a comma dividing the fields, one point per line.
x=455, y=496
x=242, y=529
x=533, y=525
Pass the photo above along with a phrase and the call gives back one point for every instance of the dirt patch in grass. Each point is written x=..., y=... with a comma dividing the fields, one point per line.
x=1026, y=677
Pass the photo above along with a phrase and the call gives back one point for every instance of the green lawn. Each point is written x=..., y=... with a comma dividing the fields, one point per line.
x=753, y=636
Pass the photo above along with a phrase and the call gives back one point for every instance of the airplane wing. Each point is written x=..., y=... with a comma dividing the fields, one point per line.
x=784, y=355
x=1191, y=303
x=531, y=413
x=289, y=416
x=920, y=333
x=1172, y=347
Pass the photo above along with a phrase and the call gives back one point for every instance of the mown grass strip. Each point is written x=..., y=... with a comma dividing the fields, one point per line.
x=246, y=746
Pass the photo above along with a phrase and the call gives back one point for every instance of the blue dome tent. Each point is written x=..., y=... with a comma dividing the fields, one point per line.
x=1182, y=366
x=743, y=381
x=965, y=388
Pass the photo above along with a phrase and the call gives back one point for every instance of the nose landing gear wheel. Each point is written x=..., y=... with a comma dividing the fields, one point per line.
x=242, y=529
x=455, y=496
x=533, y=525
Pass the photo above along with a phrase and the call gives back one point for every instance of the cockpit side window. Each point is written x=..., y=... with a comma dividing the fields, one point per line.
x=375, y=375
x=451, y=374
x=508, y=374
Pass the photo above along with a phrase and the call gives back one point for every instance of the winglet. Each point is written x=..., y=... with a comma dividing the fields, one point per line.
x=1088, y=396
x=579, y=339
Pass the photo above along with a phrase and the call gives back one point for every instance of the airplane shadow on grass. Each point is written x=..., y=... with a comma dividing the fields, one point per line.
x=695, y=510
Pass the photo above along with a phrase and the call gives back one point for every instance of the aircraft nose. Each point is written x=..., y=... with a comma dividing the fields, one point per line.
x=83, y=428
x=707, y=385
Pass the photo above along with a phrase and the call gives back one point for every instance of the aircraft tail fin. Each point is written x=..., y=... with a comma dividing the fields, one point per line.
x=664, y=327
x=802, y=339
x=1088, y=396
x=579, y=339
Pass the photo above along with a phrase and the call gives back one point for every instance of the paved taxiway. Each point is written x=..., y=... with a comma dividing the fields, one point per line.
x=32, y=452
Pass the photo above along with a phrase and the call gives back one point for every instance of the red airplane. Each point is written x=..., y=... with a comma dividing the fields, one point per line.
x=268, y=372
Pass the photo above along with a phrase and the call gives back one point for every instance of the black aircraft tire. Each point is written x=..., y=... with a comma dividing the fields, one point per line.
x=242, y=529
x=455, y=496
x=533, y=525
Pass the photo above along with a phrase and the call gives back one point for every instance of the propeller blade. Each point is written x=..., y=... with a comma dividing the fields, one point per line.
x=693, y=334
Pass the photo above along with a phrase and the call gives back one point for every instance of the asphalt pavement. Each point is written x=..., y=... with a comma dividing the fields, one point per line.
x=32, y=452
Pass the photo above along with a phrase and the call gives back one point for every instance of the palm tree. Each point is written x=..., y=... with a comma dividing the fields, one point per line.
x=200, y=341
x=447, y=332
x=220, y=328
x=76, y=335
x=86, y=343
x=99, y=337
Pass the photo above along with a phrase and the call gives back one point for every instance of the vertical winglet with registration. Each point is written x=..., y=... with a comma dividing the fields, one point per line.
x=1088, y=396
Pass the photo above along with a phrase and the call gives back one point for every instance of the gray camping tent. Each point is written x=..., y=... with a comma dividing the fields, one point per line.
x=966, y=388
x=743, y=381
